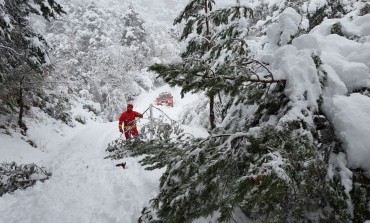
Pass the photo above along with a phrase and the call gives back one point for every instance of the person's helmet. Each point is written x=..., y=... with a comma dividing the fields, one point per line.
x=130, y=106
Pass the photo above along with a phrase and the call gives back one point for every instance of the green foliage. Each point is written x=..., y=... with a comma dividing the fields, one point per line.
x=337, y=29
x=199, y=77
x=117, y=150
x=364, y=91
x=272, y=177
x=322, y=74
x=270, y=157
x=333, y=9
x=272, y=173
x=23, y=51
x=133, y=30
x=226, y=15
x=291, y=189
x=195, y=17
x=148, y=216
x=365, y=9
x=360, y=195
x=161, y=128
x=158, y=153
x=196, y=73
x=56, y=106
x=207, y=65
x=231, y=36
x=91, y=108
x=49, y=9
x=14, y=177
x=188, y=77
x=192, y=13
x=338, y=200
x=196, y=20
x=16, y=33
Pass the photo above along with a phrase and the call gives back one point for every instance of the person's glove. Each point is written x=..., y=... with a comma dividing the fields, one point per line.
x=140, y=116
x=121, y=130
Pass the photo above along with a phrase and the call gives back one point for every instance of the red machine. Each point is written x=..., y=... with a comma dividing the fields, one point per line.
x=165, y=98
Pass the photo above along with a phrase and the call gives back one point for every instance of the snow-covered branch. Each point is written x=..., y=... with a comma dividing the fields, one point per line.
x=8, y=48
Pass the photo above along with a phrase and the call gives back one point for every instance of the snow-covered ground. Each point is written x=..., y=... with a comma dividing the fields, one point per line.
x=84, y=186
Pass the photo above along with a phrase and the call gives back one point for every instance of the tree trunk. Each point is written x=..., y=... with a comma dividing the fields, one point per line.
x=211, y=111
x=209, y=46
x=21, y=107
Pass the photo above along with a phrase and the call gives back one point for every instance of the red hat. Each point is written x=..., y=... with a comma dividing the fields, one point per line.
x=130, y=105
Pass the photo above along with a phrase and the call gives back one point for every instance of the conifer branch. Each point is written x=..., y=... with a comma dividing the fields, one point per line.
x=264, y=66
x=11, y=49
x=258, y=80
x=267, y=81
x=234, y=136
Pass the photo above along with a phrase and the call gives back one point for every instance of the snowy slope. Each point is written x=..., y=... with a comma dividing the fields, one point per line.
x=84, y=186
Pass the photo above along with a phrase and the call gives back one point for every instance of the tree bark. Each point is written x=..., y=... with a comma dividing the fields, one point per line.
x=21, y=106
x=211, y=111
x=209, y=46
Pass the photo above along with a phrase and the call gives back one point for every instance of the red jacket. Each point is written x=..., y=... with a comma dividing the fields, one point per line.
x=128, y=118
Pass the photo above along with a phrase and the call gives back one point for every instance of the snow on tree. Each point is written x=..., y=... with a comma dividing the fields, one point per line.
x=197, y=34
x=14, y=177
x=201, y=65
x=115, y=85
x=133, y=28
x=89, y=53
x=23, y=52
x=290, y=148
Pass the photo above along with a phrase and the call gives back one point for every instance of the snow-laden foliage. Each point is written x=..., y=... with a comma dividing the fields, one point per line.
x=256, y=170
x=88, y=53
x=196, y=114
x=23, y=52
x=212, y=38
x=56, y=106
x=133, y=29
x=148, y=215
x=161, y=128
x=106, y=51
x=289, y=148
x=14, y=177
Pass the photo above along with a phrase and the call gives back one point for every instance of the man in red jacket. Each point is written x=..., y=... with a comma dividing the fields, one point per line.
x=128, y=118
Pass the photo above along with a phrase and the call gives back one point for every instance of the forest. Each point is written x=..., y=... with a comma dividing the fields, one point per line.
x=281, y=88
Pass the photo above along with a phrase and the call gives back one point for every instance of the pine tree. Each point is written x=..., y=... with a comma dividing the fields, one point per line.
x=197, y=32
x=92, y=34
x=202, y=68
x=133, y=28
x=19, y=42
x=89, y=55
x=274, y=174
x=135, y=37
x=270, y=156
x=23, y=51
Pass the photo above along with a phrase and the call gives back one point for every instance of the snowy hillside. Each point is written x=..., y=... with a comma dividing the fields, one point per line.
x=84, y=186
x=270, y=121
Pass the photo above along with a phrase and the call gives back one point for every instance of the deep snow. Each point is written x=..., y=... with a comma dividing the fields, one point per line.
x=84, y=186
